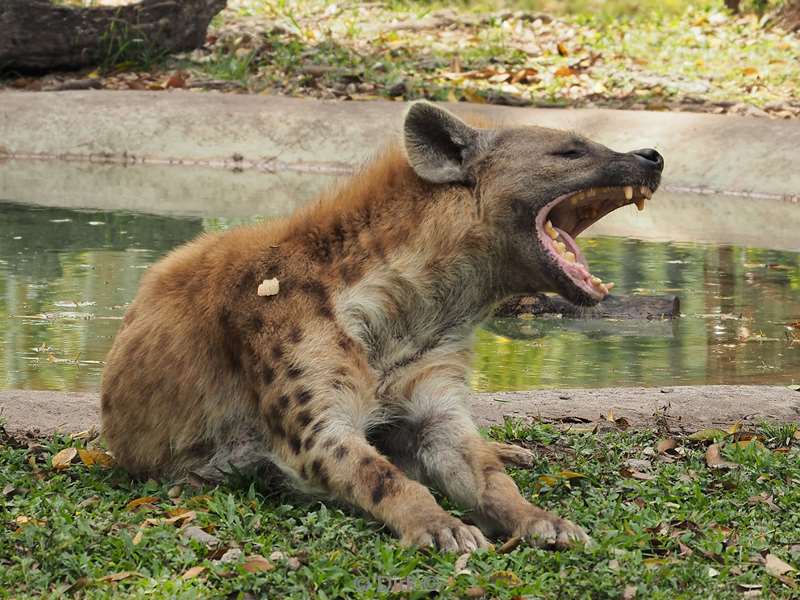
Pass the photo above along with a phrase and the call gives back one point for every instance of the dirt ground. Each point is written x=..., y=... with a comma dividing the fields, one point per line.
x=685, y=408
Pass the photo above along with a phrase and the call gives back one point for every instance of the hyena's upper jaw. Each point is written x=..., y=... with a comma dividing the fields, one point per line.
x=560, y=221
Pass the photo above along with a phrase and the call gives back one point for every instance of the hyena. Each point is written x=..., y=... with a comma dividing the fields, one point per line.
x=352, y=378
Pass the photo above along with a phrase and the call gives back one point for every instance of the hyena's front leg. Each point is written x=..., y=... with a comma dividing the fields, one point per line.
x=453, y=456
x=318, y=437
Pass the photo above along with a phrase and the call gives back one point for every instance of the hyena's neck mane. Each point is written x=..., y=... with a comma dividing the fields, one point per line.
x=411, y=260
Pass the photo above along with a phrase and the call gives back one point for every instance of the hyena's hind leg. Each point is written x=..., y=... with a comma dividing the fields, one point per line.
x=512, y=455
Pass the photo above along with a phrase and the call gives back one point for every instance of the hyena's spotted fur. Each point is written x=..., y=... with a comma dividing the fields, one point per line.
x=352, y=379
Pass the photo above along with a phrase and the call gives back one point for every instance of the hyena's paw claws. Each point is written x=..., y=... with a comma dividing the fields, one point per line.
x=450, y=535
x=546, y=530
x=515, y=456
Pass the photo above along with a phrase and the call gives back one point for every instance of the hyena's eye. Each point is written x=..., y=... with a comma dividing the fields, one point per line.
x=568, y=153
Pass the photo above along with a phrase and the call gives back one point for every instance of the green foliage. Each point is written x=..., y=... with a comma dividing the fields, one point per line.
x=689, y=530
x=126, y=47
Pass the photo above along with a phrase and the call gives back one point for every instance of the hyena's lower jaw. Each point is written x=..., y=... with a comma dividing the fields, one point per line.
x=563, y=219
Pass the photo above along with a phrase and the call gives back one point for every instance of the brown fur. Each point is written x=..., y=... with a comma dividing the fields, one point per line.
x=365, y=347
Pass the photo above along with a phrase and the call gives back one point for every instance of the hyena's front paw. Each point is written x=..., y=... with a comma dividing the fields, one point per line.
x=444, y=532
x=546, y=530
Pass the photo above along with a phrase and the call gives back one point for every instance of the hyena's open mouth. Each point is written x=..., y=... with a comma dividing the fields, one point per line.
x=563, y=219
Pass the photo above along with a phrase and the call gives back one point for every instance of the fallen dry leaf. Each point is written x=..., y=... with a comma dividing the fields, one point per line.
x=255, y=563
x=664, y=446
x=95, y=457
x=63, y=458
x=133, y=504
x=714, y=458
x=24, y=521
x=508, y=578
x=460, y=565
x=625, y=472
x=193, y=572
x=198, y=535
x=269, y=287
x=705, y=435
x=114, y=577
x=775, y=566
x=629, y=593
x=509, y=545
x=137, y=539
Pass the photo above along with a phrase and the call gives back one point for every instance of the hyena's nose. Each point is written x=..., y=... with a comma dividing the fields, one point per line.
x=650, y=158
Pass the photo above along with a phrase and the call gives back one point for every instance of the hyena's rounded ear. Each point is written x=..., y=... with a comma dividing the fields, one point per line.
x=438, y=143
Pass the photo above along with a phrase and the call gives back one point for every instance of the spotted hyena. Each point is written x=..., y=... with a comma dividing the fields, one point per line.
x=352, y=378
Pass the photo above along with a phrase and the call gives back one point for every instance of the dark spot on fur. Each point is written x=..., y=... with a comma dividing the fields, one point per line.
x=320, y=472
x=384, y=483
x=366, y=461
x=345, y=343
x=303, y=396
x=268, y=374
x=283, y=402
x=340, y=452
x=350, y=272
x=256, y=323
x=318, y=292
x=293, y=372
x=303, y=418
x=328, y=443
x=277, y=352
x=295, y=335
x=231, y=341
x=294, y=443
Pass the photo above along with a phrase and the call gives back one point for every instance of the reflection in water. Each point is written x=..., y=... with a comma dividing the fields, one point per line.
x=66, y=277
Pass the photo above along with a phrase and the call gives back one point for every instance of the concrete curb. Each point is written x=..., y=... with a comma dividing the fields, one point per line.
x=736, y=155
x=686, y=407
x=728, y=180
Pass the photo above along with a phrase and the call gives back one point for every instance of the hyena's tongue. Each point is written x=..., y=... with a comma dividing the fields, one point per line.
x=571, y=259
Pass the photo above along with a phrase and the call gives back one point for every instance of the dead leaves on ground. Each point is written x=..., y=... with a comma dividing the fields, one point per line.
x=63, y=459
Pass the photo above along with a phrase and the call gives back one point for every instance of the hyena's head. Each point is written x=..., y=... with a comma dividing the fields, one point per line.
x=536, y=189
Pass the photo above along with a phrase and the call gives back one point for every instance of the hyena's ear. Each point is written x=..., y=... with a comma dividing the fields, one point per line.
x=438, y=143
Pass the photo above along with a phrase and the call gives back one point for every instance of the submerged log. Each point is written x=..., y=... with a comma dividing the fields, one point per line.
x=37, y=35
x=612, y=307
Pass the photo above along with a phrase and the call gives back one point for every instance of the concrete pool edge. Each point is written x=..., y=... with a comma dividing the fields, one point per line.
x=684, y=407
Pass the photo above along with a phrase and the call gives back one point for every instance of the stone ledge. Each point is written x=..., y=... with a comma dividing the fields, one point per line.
x=686, y=407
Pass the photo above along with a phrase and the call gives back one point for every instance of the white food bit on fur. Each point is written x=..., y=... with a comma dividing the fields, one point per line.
x=269, y=287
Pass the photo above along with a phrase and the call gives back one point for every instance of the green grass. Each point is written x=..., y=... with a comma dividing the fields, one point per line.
x=689, y=532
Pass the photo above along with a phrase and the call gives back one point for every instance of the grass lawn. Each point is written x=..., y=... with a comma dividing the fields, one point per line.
x=650, y=54
x=671, y=520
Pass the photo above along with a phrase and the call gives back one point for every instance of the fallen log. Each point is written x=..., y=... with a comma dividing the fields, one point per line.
x=37, y=35
x=612, y=307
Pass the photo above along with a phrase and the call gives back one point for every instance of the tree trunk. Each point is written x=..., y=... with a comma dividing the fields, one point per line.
x=36, y=35
x=788, y=17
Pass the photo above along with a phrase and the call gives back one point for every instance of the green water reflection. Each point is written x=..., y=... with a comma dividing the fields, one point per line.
x=66, y=277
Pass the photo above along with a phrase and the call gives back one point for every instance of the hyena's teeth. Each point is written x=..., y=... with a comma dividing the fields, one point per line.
x=561, y=247
x=570, y=256
x=596, y=280
x=640, y=204
x=610, y=286
x=628, y=192
x=646, y=192
x=548, y=227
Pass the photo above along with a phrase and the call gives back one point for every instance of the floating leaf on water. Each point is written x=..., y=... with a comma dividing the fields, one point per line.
x=62, y=459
